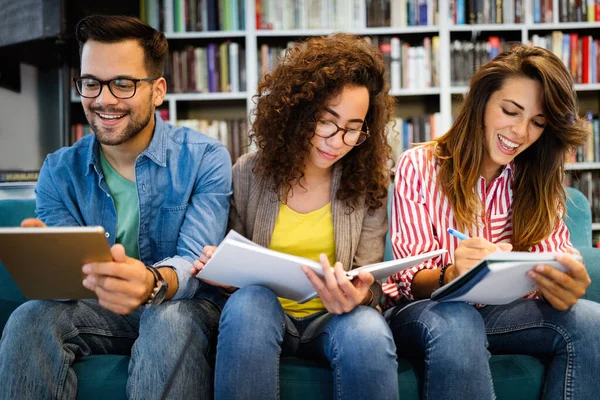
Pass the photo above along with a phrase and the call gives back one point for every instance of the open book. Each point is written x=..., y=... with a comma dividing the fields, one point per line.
x=240, y=262
x=498, y=279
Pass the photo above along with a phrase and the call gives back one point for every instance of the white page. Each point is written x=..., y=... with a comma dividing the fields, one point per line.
x=504, y=283
x=523, y=256
x=384, y=269
x=241, y=264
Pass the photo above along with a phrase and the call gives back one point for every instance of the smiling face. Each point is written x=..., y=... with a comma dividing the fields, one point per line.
x=347, y=110
x=116, y=121
x=513, y=121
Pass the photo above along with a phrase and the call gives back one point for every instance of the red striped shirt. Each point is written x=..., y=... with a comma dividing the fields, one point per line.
x=421, y=215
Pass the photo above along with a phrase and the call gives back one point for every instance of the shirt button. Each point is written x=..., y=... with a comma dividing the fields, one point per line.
x=106, y=234
x=143, y=187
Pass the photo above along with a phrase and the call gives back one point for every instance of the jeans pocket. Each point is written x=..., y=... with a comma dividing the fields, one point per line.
x=171, y=220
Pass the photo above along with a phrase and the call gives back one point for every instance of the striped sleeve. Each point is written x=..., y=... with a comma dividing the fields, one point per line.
x=411, y=228
x=558, y=241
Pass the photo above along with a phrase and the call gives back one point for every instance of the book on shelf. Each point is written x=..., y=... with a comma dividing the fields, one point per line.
x=240, y=262
x=467, y=56
x=402, y=13
x=207, y=69
x=16, y=175
x=590, y=151
x=498, y=279
x=491, y=11
x=78, y=131
x=404, y=133
x=194, y=15
x=232, y=133
x=340, y=15
x=410, y=66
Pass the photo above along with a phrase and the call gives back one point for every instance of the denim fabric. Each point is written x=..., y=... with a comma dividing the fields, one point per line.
x=183, y=181
x=255, y=332
x=36, y=365
x=456, y=340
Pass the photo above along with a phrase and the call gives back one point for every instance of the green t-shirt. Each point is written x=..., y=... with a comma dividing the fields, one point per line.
x=125, y=196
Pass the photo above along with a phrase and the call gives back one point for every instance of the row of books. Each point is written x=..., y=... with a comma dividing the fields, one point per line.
x=487, y=11
x=588, y=182
x=590, y=152
x=15, y=175
x=233, y=133
x=403, y=133
x=467, y=56
x=194, y=15
x=210, y=69
x=402, y=13
x=308, y=14
x=573, y=11
x=580, y=53
x=411, y=67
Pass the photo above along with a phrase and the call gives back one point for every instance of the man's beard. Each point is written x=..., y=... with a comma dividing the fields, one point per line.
x=108, y=136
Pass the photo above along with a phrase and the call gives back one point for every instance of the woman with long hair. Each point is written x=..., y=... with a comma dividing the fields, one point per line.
x=496, y=175
x=316, y=187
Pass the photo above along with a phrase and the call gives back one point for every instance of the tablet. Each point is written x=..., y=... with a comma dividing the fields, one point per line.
x=45, y=263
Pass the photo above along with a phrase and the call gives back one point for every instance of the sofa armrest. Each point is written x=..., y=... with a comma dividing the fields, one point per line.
x=591, y=256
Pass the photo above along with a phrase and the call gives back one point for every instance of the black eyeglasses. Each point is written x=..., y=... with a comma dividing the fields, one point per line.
x=351, y=137
x=121, y=88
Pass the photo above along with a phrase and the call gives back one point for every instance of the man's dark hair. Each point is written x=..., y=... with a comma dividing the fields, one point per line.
x=117, y=28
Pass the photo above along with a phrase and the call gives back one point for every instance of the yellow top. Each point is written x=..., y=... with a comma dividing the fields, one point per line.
x=304, y=235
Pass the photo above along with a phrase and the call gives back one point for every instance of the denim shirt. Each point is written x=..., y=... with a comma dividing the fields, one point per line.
x=183, y=181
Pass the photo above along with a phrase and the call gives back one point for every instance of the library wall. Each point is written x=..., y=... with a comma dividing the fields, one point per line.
x=29, y=127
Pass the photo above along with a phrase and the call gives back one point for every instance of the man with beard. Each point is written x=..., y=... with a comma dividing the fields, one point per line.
x=162, y=194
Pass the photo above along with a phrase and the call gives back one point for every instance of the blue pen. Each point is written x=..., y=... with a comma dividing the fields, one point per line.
x=457, y=234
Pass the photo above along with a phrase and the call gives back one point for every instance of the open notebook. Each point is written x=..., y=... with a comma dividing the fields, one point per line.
x=498, y=279
x=240, y=262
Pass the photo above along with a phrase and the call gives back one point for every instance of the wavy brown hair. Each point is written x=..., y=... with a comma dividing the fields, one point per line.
x=538, y=193
x=290, y=99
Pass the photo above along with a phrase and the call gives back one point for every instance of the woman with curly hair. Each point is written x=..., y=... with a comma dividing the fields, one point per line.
x=498, y=176
x=317, y=188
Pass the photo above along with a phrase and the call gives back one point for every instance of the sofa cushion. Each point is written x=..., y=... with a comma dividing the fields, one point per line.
x=515, y=377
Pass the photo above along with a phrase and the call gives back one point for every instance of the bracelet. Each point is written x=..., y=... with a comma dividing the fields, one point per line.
x=442, y=272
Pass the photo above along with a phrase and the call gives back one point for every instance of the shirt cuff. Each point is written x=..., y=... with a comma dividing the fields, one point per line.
x=188, y=285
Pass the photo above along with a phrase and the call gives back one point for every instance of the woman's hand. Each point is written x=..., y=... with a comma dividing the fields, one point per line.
x=560, y=289
x=470, y=252
x=338, y=293
x=199, y=265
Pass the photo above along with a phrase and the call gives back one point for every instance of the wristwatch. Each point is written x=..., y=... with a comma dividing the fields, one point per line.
x=160, y=289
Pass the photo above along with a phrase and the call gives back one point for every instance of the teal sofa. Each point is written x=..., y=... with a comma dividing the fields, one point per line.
x=515, y=376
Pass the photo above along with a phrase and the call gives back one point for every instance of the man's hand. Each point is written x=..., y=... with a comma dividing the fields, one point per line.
x=32, y=223
x=338, y=293
x=121, y=285
x=199, y=264
x=470, y=252
x=560, y=289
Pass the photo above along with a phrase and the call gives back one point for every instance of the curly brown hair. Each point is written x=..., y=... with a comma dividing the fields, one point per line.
x=290, y=99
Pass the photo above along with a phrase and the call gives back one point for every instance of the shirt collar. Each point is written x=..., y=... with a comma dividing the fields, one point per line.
x=156, y=151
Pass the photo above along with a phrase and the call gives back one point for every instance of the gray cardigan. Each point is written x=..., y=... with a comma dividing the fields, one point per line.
x=359, y=236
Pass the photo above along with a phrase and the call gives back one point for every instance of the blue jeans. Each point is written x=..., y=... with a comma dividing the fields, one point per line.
x=456, y=339
x=255, y=332
x=42, y=339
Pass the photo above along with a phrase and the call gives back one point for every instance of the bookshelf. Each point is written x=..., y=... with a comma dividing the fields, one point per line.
x=415, y=22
